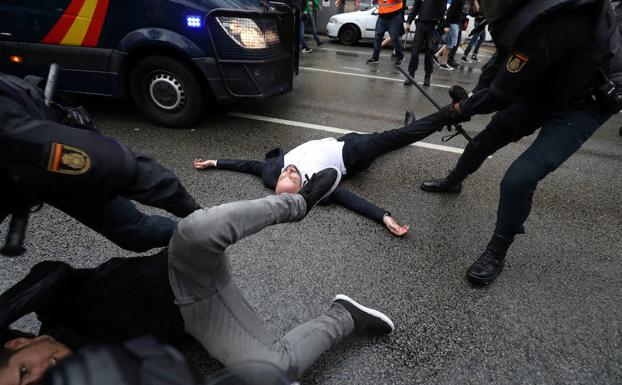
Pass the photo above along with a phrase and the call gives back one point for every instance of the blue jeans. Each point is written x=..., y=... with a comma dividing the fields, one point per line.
x=395, y=26
x=559, y=138
x=452, y=37
x=310, y=22
x=214, y=309
x=476, y=41
x=302, y=35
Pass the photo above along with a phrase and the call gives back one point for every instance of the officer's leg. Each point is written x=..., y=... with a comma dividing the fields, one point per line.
x=428, y=34
x=216, y=313
x=120, y=221
x=157, y=186
x=417, y=45
x=506, y=126
x=558, y=139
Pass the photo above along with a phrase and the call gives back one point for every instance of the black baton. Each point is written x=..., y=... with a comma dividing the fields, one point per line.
x=457, y=127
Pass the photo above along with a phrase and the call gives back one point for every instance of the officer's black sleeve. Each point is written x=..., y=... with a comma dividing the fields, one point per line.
x=254, y=167
x=539, y=50
x=358, y=204
x=489, y=71
x=34, y=143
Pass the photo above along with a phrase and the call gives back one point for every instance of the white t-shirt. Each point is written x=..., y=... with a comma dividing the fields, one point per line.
x=316, y=155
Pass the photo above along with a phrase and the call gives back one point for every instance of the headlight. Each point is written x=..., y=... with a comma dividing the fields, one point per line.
x=246, y=33
x=333, y=20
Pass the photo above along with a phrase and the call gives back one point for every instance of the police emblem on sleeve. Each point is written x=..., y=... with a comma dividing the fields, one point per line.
x=516, y=62
x=70, y=160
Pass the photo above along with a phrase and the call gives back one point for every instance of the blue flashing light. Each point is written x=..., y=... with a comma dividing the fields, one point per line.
x=194, y=21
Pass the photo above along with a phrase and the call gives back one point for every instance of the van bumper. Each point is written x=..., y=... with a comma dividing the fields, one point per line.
x=229, y=82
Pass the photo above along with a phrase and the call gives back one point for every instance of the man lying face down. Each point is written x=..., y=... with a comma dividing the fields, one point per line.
x=351, y=154
x=185, y=289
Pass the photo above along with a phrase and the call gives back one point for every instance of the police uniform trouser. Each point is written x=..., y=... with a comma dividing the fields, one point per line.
x=422, y=42
x=558, y=139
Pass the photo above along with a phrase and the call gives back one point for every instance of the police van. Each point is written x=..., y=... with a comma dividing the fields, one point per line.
x=171, y=57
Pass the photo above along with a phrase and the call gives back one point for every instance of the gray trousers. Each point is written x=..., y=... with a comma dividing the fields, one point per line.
x=213, y=308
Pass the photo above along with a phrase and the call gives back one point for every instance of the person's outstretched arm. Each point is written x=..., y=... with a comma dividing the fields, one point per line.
x=254, y=167
x=360, y=205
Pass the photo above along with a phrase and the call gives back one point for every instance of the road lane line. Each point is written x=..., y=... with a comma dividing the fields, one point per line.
x=358, y=53
x=364, y=76
x=336, y=130
x=365, y=53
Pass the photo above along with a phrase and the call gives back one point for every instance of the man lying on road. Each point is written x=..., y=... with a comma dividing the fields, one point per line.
x=187, y=288
x=351, y=153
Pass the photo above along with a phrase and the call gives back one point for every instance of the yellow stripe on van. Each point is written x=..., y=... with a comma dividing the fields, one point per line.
x=78, y=29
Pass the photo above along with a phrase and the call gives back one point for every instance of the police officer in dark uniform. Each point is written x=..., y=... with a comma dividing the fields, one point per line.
x=428, y=14
x=549, y=62
x=76, y=169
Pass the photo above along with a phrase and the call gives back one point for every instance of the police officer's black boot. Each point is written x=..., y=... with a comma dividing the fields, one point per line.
x=490, y=264
x=426, y=79
x=452, y=183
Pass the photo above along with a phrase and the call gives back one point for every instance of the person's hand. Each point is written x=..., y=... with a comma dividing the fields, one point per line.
x=201, y=164
x=450, y=114
x=394, y=227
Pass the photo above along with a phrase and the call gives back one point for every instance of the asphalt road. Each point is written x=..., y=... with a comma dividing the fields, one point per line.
x=553, y=317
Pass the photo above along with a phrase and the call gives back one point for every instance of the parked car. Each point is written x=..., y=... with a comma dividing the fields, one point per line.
x=352, y=27
x=168, y=56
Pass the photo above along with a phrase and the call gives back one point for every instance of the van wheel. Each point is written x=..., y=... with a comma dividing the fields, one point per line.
x=166, y=91
x=348, y=35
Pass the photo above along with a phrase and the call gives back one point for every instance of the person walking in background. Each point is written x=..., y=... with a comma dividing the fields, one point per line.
x=452, y=20
x=312, y=5
x=478, y=38
x=426, y=14
x=305, y=46
x=464, y=24
x=391, y=19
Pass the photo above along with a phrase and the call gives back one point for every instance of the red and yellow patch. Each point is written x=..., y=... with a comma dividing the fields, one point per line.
x=516, y=62
x=70, y=160
x=80, y=25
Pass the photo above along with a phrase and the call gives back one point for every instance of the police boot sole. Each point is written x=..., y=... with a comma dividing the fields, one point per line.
x=480, y=281
x=451, y=190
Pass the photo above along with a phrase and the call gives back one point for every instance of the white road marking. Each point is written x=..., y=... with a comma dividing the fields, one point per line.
x=336, y=130
x=362, y=53
x=350, y=51
x=365, y=76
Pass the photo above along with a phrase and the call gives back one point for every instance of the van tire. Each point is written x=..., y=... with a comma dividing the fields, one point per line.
x=166, y=91
x=349, y=34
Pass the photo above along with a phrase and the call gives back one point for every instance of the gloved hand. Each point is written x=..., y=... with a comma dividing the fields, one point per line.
x=450, y=114
x=457, y=93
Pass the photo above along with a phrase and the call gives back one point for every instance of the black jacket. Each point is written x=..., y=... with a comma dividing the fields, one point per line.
x=429, y=11
x=119, y=300
x=270, y=170
x=548, y=60
x=455, y=12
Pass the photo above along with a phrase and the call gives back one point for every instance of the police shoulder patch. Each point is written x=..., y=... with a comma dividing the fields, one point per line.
x=516, y=62
x=70, y=160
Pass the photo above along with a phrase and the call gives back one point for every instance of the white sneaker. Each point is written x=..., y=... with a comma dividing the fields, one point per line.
x=446, y=67
x=307, y=50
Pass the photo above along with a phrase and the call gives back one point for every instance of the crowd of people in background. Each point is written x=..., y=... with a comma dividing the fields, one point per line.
x=438, y=32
